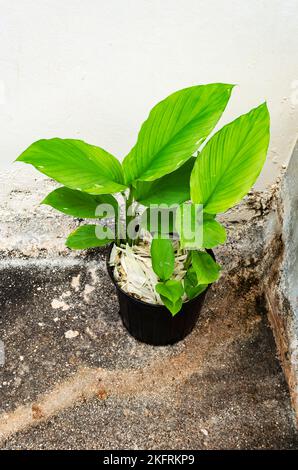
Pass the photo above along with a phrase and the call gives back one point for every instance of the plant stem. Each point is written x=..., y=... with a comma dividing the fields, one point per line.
x=129, y=217
x=116, y=227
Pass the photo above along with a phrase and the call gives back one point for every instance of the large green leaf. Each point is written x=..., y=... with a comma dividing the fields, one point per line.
x=231, y=161
x=76, y=165
x=170, y=189
x=85, y=237
x=174, y=130
x=162, y=256
x=78, y=203
x=207, y=270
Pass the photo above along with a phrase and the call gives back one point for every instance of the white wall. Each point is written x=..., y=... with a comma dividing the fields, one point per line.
x=92, y=69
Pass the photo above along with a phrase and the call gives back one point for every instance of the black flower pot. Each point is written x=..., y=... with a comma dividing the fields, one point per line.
x=154, y=324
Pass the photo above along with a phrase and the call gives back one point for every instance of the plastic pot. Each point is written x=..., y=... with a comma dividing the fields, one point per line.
x=154, y=324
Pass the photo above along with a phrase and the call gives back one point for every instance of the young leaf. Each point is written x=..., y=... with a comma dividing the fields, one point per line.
x=78, y=203
x=191, y=286
x=173, y=307
x=85, y=237
x=213, y=232
x=189, y=225
x=171, y=289
x=76, y=165
x=207, y=270
x=231, y=161
x=197, y=229
x=163, y=259
x=174, y=130
x=170, y=189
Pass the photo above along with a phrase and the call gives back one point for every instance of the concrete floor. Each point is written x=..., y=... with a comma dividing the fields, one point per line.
x=74, y=379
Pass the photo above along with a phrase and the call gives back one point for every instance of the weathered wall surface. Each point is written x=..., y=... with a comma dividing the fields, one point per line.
x=93, y=69
x=281, y=286
x=290, y=232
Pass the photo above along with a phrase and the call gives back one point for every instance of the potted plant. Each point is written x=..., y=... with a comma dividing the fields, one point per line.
x=161, y=270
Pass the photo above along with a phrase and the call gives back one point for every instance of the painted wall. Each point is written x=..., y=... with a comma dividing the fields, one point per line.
x=92, y=69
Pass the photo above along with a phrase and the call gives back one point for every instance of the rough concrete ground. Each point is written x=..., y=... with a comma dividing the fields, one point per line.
x=73, y=378
x=222, y=387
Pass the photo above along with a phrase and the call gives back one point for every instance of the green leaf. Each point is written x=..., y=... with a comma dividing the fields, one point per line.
x=231, y=161
x=191, y=286
x=189, y=225
x=197, y=229
x=170, y=293
x=163, y=259
x=85, y=237
x=173, y=307
x=76, y=165
x=171, y=289
x=207, y=270
x=213, y=232
x=170, y=189
x=174, y=130
x=78, y=203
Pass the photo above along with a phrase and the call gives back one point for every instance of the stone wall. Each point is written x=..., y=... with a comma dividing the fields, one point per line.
x=281, y=282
